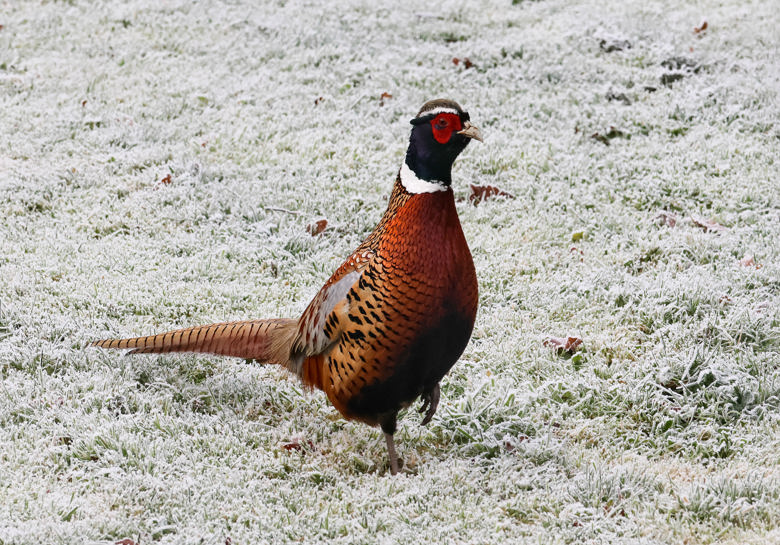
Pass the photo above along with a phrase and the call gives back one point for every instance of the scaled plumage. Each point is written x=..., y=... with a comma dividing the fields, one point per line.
x=394, y=317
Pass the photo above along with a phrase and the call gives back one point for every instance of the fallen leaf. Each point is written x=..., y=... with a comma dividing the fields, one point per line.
x=466, y=62
x=317, y=227
x=510, y=446
x=708, y=225
x=666, y=218
x=384, y=97
x=700, y=28
x=563, y=345
x=579, y=235
x=83, y=103
x=481, y=192
x=167, y=180
x=298, y=446
x=125, y=541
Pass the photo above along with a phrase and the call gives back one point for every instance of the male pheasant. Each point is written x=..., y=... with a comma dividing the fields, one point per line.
x=395, y=317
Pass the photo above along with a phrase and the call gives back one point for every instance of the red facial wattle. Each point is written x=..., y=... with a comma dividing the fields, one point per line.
x=444, y=125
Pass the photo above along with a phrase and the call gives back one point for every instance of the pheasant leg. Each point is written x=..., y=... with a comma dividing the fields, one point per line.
x=391, y=453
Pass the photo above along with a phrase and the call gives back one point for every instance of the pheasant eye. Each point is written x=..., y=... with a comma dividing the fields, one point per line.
x=444, y=125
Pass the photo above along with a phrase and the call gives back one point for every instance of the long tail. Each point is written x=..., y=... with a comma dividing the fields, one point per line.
x=268, y=341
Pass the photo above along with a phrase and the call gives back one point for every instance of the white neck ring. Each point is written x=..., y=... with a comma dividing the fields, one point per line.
x=413, y=184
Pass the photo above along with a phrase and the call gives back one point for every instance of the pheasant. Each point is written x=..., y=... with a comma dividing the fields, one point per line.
x=394, y=317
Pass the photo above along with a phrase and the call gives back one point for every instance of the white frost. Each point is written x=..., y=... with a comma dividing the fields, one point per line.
x=265, y=115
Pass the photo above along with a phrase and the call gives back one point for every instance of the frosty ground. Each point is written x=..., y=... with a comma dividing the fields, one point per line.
x=159, y=164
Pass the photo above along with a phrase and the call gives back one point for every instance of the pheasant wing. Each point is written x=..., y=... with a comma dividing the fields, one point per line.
x=318, y=325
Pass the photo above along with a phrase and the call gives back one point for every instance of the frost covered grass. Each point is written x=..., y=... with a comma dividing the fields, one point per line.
x=159, y=163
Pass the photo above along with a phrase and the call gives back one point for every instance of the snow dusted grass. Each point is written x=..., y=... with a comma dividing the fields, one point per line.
x=663, y=429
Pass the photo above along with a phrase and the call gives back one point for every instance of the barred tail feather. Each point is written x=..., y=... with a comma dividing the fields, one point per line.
x=267, y=341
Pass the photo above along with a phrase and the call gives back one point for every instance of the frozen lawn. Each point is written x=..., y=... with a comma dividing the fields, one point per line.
x=160, y=161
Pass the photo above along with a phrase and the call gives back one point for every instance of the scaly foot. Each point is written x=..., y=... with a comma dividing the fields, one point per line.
x=430, y=402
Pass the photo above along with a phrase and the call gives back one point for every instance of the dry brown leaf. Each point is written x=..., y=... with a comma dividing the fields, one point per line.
x=383, y=97
x=298, y=445
x=125, y=541
x=700, y=28
x=465, y=60
x=481, y=192
x=564, y=345
x=708, y=225
x=317, y=227
x=510, y=446
x=167, y=180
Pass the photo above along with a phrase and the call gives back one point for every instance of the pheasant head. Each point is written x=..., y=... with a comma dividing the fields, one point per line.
x=440, y=131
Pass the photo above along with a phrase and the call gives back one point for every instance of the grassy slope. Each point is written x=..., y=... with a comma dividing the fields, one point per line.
x=664, y=430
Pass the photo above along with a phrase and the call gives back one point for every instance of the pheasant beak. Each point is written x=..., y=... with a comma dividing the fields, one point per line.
x=472, y=131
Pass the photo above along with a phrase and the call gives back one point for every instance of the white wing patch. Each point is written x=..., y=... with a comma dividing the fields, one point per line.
x=312, y=335
x=334, y=294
